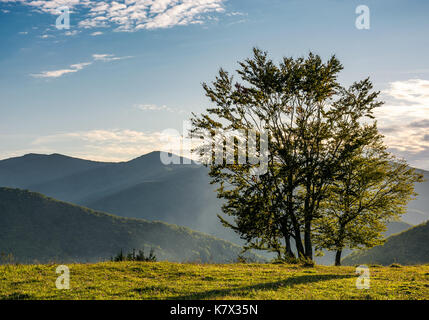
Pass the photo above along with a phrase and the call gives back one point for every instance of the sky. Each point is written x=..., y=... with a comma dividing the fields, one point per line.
x=106, y=88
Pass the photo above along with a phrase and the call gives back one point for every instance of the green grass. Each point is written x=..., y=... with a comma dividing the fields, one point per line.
x=164, y=280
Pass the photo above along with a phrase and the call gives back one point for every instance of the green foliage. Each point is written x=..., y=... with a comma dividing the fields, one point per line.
x=373, y=189
x=322, y=140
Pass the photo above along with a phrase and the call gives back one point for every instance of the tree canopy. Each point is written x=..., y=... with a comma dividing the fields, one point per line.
x=319, y=141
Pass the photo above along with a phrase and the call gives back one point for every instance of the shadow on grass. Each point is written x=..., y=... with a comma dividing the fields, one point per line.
x=290, y=282
x=17, y=296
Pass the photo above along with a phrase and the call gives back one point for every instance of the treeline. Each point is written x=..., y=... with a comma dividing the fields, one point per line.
x=324, y=180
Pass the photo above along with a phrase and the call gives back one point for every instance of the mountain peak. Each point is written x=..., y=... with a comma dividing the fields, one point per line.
x=155, y=156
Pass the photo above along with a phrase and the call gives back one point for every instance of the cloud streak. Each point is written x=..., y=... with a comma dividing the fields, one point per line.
x=154, y=107
x=58, y=73
x=78, y=66
x=108, y=57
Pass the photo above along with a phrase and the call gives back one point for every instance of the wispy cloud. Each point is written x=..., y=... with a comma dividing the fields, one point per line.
x=236, y=13
x=108, y=57
x=58, y=73
x=97, y=33
x=71, y=33
x=78, y=66
x=154, y=107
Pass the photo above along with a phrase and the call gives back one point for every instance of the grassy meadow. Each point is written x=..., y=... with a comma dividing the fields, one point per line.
x=165, y=280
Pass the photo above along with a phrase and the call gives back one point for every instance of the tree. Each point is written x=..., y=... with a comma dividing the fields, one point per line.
x=311, y=125
x=372, y=190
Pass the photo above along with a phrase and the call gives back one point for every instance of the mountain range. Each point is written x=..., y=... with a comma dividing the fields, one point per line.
x=145, y=188
x=140, y=188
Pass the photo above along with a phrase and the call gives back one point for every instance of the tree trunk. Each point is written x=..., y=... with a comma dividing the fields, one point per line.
x=307, y=223
x=340, y=243
x=338, y=258
x=288, y=252
x=307, y=241
x=298, y=241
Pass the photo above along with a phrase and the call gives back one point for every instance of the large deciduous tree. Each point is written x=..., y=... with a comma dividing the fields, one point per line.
x=313, y=127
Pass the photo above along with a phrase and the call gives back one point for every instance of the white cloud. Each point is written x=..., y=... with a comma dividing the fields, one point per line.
x=108, y=57
x=50, y=6
x=23, y=32
x=412, y=91
x=236, y=13
x=101, y=145
x=78, y=66
x=58, y=73
x=132, y=15
x=71, y=33
x=154, y=107
x=97, y=33
x=404, y=120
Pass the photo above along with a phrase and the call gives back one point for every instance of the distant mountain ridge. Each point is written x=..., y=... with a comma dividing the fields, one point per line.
x=40, y=168
x=141, y=188
x=35, y=228
x=418, y=210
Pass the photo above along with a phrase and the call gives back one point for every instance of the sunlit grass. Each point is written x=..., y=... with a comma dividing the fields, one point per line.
x=164, y=280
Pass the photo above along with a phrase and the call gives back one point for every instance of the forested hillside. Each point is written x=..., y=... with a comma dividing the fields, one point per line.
x=407, y=248
x=34, y=228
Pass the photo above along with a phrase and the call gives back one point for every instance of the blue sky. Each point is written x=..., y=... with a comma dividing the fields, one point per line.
x=107, y=87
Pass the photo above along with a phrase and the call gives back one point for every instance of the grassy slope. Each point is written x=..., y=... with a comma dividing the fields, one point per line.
x=165, y=280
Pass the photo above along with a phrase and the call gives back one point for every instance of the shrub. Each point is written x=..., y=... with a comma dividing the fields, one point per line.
x=395, y=265
x=132, y=256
